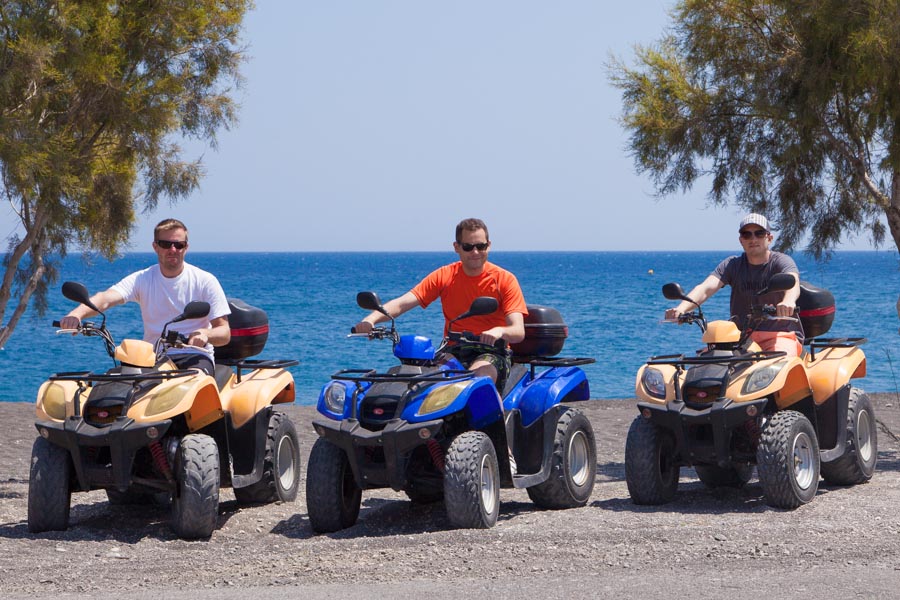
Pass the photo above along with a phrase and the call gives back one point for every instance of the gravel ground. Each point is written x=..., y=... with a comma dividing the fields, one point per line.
x=723, y=543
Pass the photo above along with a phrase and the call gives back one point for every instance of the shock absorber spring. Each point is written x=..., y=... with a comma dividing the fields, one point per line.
x=159, y=458
x=437, y=454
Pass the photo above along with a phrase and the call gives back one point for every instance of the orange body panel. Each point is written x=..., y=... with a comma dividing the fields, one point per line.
x=833, y=368
x=255, y=391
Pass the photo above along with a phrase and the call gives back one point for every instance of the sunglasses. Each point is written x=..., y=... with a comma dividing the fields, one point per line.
x=166, y=244
x=469, y=247
x=760, y=233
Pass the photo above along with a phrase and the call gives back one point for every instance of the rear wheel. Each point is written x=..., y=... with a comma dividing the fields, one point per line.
x=472, y=482
x=858, y=461
x=333, y=497
x=281, y=466
x=714, y=476
x=788, y=460
x=574, y=464
x=49, y=487
x=650, y=468
x=195, y=504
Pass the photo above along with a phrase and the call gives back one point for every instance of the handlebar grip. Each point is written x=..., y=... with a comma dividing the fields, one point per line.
x=56, y=324
x=353, y=329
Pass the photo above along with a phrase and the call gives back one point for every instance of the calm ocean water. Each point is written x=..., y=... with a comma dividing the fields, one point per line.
x=611, y=302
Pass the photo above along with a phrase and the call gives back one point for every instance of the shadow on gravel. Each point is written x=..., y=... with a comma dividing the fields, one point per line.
x=387, y=518
x=101, y=521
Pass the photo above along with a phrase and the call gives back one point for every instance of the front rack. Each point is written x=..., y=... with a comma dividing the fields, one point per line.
x=372, y=376
x=681, y=359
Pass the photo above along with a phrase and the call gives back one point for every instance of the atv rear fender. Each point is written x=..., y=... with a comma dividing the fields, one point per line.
x=833, y=368
x=255, y=391
x=550, y=388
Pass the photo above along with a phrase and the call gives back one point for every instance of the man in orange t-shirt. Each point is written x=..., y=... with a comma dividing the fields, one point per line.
x=457, y=285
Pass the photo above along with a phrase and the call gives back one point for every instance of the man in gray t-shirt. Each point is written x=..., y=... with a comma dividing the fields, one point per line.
x=747, y=274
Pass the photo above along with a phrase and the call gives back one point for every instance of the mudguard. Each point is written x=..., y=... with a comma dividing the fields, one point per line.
x=833, y=368
x=197, y=397
x=551, y=387
x=256, y=390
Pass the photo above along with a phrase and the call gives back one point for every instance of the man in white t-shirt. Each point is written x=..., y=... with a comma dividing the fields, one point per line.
x=162, y=291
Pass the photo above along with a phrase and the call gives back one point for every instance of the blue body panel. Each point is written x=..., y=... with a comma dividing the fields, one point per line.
x=535, y=397
x=414, y=347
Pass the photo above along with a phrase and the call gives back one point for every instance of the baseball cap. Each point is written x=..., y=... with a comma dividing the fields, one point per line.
x=754, y=219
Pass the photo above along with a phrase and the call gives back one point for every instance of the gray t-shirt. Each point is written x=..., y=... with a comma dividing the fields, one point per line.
x=746, y=279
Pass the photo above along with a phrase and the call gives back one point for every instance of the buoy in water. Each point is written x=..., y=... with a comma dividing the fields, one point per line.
x=650, y=272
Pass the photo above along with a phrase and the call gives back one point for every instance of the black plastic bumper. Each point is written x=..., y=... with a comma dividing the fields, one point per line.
x=723, y=416
x=397, y=440
x=123, y=437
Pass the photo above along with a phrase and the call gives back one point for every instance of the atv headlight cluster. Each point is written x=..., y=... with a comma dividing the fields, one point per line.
x=762, y=378
x=440, y=397
x=54, y=401
x=654, y=382
x=335, y=396
x=167, y=399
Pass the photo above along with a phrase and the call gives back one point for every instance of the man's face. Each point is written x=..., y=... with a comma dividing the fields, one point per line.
x=473, y=249
x=171, y=259
x=755, y=240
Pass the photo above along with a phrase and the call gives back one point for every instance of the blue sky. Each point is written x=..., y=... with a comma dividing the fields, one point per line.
x=378, y=125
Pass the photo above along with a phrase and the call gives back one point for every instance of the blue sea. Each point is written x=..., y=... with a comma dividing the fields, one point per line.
x=611, y=302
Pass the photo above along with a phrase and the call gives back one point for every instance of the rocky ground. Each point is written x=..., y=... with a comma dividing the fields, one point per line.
x=722, y=543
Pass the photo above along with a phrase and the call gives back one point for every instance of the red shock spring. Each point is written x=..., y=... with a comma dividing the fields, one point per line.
x=753, y=432
x=159, y=457
x=437, y=454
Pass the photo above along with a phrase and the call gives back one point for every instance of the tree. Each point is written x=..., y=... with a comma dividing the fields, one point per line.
x=92, y=93
x=790, y=108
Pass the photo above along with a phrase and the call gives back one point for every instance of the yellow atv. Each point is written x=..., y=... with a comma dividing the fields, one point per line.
x=732, y=406
x=146, y=430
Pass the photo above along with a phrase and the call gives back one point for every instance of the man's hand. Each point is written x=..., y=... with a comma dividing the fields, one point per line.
x=69, y=322
x=198, y=338
x=672, y=314
x=785, y=309
x=363, y=327
x=490, y=336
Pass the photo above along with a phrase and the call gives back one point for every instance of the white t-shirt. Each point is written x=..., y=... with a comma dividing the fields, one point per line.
x=163, y=298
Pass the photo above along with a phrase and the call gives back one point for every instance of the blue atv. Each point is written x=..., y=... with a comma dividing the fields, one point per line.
x=434, y=430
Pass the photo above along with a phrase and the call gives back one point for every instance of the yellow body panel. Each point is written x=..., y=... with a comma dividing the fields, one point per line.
x=789, y=385
x=721, y=332
x=53, y=393
x=256, y=390
x=194, y=396
x=833, y=368
x=137, y=353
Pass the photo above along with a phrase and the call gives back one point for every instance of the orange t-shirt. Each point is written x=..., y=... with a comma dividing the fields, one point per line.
x=457, y=291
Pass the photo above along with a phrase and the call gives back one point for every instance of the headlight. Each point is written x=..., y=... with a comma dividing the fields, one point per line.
x=335, y=396
x=54, y=401
x=167, y=399
x=441, y=397
x=762, y=378
x=654, y=382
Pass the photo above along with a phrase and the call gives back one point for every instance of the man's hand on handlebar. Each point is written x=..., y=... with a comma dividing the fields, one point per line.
x=489, y=337
x=362, y=327
x=198, y=338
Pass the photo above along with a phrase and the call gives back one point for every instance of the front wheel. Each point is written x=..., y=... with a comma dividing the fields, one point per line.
x=573, y=467
x=49, y=487
x=857, y=464
x=195, y=504
x=788, y=460
x=650, y=468
x=281, y=466
x=472, y=482
x=333, y=497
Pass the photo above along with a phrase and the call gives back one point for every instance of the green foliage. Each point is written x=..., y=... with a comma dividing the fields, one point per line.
x=92, y=95
x=787, y=107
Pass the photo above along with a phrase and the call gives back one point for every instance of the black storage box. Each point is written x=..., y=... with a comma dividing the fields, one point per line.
x=545, y=333
x=249, y=331
x=816, y=310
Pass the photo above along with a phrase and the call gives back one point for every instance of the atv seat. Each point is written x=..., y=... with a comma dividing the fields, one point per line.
x=223, y=375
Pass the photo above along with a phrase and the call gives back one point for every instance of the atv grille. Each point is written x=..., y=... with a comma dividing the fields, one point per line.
x=701, y=396
x=102, y=415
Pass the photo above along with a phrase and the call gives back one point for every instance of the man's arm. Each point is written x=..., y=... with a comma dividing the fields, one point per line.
x=218, y=334
x=102, y=300
x=513, y=333
x=395, y=308
x=699, y=294
x=788, y=304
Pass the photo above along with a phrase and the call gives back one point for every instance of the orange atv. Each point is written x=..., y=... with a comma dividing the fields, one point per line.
x=147, y=430
x=732, y=406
